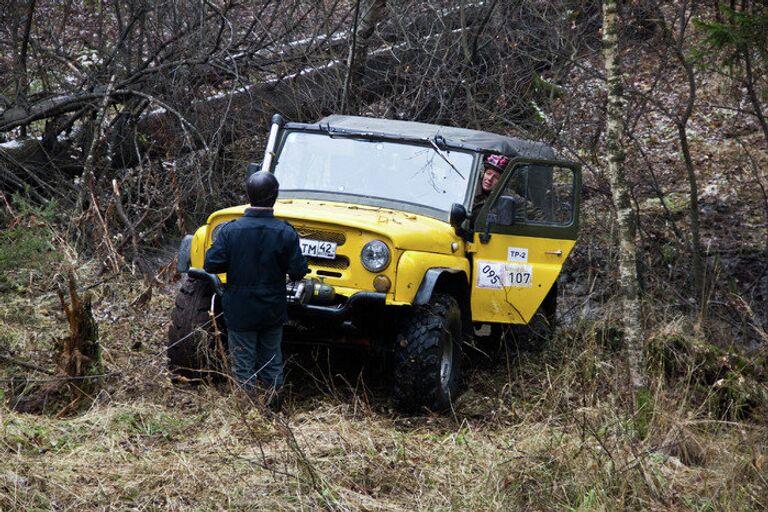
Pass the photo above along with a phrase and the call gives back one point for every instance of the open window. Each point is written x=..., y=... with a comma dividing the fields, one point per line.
x=535, y=198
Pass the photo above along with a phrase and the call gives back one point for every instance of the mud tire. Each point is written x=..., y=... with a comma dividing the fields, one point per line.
x=427, y=358
x=197, y=356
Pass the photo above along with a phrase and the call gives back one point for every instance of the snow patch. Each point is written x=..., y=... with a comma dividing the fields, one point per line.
x=11, y=144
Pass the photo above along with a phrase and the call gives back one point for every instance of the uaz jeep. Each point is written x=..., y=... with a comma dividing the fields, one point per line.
x=398, y=256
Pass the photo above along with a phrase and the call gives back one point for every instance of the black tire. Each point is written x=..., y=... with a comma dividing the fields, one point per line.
x=193, y=351
x=427, y=366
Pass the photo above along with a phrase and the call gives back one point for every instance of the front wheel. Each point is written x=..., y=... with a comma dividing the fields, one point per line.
x=428, y=357
x=193, y=349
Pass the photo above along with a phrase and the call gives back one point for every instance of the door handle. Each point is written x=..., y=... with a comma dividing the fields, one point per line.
x=554, y=253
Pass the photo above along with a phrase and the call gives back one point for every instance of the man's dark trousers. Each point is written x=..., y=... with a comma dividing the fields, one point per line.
x=256, y=251
x=256, y=355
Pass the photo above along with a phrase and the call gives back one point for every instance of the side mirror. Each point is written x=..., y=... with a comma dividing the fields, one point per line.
x=458, y=214
x=457, y=218
x=252, y=168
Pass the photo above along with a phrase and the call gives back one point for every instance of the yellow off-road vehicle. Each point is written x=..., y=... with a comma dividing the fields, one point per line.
x=398, y=258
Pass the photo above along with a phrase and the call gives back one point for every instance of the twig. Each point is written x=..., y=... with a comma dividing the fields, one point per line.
x=8, y=206
x=25, y=364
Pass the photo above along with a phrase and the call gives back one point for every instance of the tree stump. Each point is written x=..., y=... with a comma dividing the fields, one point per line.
x=78, y=361
x=79, y=353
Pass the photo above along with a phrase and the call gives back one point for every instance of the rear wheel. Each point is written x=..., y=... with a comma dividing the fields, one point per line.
x=428, y=357
x=193, y=350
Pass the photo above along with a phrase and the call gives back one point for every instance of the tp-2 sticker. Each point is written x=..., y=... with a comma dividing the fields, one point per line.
x=517, y=254
x=497, y=274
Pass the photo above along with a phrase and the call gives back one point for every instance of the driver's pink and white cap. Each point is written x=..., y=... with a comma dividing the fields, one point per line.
x=498, y=162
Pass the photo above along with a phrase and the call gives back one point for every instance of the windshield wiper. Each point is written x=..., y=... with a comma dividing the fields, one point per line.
x=439, y=152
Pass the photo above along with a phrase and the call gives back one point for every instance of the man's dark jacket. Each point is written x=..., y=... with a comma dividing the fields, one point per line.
x=256, y=251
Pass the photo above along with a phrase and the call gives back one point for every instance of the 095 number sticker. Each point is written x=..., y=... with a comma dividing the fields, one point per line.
x=490, y=274
x=497, y=274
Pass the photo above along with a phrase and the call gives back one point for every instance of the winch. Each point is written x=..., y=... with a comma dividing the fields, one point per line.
x=309, y=290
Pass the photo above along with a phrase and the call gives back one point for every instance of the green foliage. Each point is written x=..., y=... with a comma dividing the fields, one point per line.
x=643, y=411
x=26, y=210
x=148, y=424
x=740, y=32
x=726, y=384
x=546, y=88
x=25, y=241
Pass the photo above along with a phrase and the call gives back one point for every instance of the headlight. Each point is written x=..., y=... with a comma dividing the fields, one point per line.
x=215, y=231
x=375, y=256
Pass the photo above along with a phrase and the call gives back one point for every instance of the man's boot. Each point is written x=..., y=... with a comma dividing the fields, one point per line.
x=274, y=398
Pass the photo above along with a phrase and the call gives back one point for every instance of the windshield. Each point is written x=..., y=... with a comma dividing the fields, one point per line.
x=398, y=175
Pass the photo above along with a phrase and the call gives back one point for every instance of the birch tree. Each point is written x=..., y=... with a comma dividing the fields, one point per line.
x=626, y=216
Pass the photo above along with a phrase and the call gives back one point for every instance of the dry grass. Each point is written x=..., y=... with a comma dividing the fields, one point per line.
x=546, y=431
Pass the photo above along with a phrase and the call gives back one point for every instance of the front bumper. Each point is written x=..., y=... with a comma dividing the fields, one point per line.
x=343, y=310
x=311, y=305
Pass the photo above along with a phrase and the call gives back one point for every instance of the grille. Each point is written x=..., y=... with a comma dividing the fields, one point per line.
x=339, y=262
x=321, y=234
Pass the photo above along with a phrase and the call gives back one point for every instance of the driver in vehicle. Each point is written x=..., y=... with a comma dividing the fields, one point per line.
x=494, y=167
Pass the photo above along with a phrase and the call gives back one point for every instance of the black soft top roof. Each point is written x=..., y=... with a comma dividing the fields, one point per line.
x=474, y=140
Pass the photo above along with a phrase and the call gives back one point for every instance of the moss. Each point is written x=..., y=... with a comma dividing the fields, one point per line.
x=643, y=411
x=727, y=384
x=736, y=397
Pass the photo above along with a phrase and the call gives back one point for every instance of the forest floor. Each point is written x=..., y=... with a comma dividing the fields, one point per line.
x=533, y=431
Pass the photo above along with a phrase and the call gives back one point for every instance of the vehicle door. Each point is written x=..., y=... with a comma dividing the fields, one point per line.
x=523, y=234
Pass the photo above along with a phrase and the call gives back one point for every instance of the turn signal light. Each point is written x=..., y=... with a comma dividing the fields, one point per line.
x=381, y=284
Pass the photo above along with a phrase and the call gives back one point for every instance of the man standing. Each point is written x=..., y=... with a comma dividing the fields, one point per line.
x=257, y=251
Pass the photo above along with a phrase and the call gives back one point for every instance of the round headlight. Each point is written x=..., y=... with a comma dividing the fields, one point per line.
x=215, y=231
x=375, y=256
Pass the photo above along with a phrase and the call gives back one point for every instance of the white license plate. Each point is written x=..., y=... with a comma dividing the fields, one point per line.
x=318, y=248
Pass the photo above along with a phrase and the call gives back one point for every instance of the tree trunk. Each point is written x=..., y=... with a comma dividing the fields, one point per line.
x=753, y=97
x=358, y=51
x=22, y=78
x=80, y=352
x=682, y=130
x=626, y=216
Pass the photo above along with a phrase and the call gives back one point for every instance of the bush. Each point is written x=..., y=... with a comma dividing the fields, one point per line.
x=25, y=241
x=728, y=385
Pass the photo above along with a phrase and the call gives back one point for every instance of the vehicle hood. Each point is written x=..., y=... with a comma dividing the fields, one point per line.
x=407, y=231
